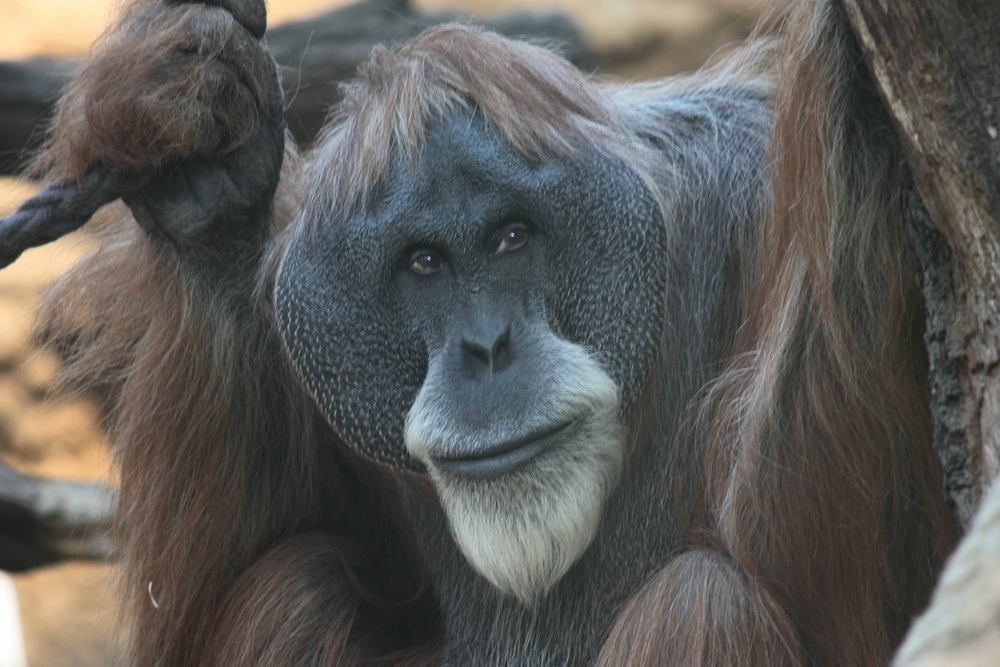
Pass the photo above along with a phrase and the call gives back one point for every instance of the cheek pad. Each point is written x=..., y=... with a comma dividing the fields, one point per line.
x=608, y=276
x=347, y=342
x=364, y=366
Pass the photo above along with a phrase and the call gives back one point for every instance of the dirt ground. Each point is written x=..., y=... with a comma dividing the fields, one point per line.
x=68, y=610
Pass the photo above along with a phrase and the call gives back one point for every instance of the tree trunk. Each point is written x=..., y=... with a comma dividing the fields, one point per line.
x=937, y=65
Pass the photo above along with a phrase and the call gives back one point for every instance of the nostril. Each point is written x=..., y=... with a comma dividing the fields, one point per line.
x=482, y=353
x=500, y=353
x=476, y=352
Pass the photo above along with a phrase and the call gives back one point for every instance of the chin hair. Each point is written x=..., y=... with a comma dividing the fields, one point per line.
x=524, y=529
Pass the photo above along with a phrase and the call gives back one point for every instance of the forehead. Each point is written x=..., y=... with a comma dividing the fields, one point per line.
x=466, y=143
x=465, y=172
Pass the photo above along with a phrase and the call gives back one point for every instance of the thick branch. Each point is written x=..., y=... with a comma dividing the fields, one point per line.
x=45, y=520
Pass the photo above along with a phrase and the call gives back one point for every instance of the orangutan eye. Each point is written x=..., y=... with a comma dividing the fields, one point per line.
x=513, y=238
x=425, y=262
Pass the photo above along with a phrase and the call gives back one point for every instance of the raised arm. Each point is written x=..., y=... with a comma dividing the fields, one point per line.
x=177, y=111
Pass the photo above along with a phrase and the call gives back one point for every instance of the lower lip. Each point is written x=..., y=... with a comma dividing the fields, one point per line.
x=508, y=458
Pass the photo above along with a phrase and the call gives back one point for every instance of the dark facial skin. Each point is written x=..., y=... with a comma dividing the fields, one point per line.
x=473, y=256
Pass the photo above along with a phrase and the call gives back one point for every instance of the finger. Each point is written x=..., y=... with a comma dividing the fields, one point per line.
x=186, y=203
x=251, y=14
x=62, y=207
x=213, y=203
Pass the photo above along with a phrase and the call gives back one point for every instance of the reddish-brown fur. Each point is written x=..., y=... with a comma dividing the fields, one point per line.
x=250, y=536
x=140, y=113
x=702, y=610
x=821, y=484
x=203, y=498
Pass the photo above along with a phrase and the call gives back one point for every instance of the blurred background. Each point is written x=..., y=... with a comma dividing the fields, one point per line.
x=67, y=612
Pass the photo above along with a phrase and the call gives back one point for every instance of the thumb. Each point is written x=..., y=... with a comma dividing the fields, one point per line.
x=251, y=14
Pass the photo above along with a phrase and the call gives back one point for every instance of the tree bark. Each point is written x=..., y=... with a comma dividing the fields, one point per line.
x=315, y=55
x=46, y=520
x=937, y=65
x=961, y=627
